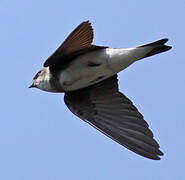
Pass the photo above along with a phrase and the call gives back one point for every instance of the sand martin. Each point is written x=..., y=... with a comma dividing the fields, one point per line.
x=87, y=74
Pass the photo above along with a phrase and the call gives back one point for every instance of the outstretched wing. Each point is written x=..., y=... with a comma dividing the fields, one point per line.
x=112, y=113
x=78, y=42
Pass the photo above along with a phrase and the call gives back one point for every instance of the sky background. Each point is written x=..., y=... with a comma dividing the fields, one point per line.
x=41, y=139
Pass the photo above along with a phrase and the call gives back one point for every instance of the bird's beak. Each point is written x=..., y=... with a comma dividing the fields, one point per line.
x=32, y=86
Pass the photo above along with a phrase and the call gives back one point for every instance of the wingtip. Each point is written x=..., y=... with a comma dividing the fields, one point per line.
x=154, y=157
x=157, y=156
x=87, y=22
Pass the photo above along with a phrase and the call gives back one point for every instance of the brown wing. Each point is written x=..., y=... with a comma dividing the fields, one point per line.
x=112, y=113
x=78, y=42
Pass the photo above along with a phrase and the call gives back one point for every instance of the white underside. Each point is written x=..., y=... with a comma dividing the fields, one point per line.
x=79, y=74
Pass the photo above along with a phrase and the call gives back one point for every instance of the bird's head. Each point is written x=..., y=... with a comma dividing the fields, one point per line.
x=42, y=80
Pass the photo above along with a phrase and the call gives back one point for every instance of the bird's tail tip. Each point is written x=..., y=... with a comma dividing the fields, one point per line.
x=158, y=47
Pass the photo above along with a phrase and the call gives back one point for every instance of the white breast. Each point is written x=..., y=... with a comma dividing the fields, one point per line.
x=43, y=81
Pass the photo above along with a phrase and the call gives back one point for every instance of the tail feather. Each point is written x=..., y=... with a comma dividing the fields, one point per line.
x=158, y=47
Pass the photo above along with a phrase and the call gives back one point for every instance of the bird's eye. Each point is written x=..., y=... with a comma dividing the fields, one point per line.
x=36, y=76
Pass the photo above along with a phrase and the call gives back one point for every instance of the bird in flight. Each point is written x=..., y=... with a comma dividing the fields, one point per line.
x=87, y=74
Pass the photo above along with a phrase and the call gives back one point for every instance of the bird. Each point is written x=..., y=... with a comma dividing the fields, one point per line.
x=87, y=74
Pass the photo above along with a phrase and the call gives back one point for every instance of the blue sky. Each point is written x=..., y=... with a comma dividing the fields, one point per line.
x=41, y=139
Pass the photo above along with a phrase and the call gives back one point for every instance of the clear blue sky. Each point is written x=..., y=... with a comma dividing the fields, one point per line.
x=41, y=139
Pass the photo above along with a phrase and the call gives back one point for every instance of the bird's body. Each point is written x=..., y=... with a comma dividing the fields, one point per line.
x=90, y=68
x=88, y=75
x=93, y=67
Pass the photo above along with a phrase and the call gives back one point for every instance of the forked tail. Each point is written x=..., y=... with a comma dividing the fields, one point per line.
x=158, y=47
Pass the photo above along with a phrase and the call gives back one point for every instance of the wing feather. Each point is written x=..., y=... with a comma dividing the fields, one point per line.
x=77, y=43
x=112, y=113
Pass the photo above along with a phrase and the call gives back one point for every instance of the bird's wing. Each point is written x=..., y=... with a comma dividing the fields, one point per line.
x=78, y=42
x=112, y=113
